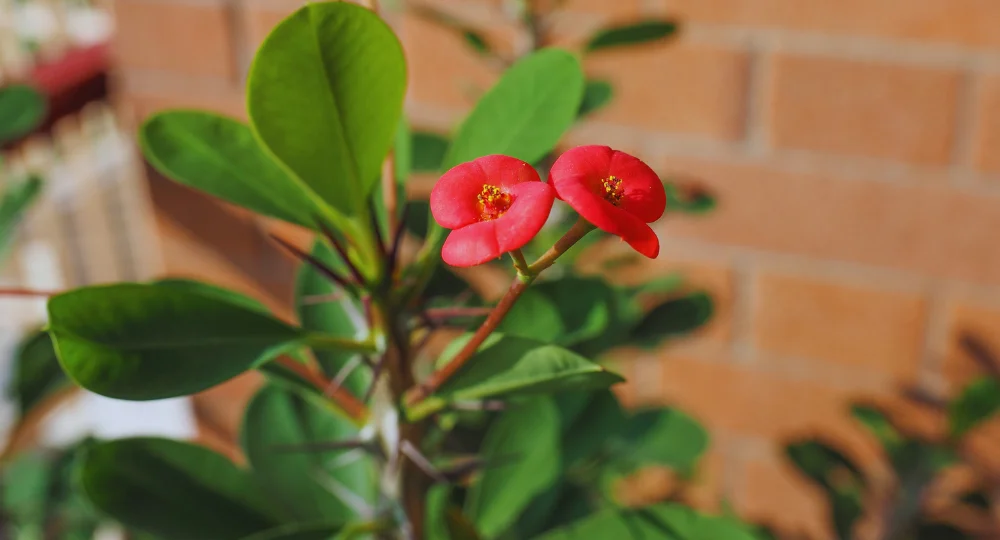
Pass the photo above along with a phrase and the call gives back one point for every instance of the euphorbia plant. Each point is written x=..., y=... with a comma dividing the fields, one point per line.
x=363, y=430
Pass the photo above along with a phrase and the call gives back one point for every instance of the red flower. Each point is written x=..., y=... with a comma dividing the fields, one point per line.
x=614, y=191
x=493, y=205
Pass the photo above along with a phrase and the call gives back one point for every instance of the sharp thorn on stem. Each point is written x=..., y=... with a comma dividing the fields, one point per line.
x=422, y=462
x=319, y=265
x=337, y=245
x=376, y=373
x=485, y=405
x=338, y=381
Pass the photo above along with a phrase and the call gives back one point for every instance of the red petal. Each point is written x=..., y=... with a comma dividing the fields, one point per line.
x=480, y=242
x=453, y=199
x=586, y=165
x=644, y=195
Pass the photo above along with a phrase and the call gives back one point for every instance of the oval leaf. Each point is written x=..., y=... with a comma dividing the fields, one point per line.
x=979, y=401
x=36, y=372
x=143, y=342
x=298, y=532
x=632, y=34
x=280, y=432
x=507, y=366
x=174, y=490
x=522, y=450
x=22, y=108
x=564, y=311
x=221, y=157
x=325, y=94
x=14, y=204
x=664, y=437
x=666, y=521
x=596, y=95
x=673, y=318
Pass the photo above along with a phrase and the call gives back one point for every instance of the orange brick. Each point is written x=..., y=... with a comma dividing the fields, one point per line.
x=966, y=22
x=189, y=38
x=987, y=130
x=841, y=324
x=928, y=229
x=771, y=491
x=443, y=70
x=260, y=16
x=145, y=103
x=866, y=109
x=979, y=320
x=674, y=87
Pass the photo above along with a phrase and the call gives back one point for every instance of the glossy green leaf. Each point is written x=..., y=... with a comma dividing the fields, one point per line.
x=632, y=34
x=15, y=202
x=325, y=95
x=214, y=291
x=978, y=402
x=596, y=95
x=175, y=490
x=428, y=151
x=36, y=372
x=660, y=522
x=523, y=450
x=523, y=116
x=664, y=437
x=279, y=428
x=221, y=157
x=506, y=366
x=22, y=108
x=143, y=342
x=674, y=318
x=343, y=317
x=564, y=311
x=298, y=531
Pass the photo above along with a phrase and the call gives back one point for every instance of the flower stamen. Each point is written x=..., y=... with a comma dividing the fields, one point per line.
x=493, y=202
x=613, y=190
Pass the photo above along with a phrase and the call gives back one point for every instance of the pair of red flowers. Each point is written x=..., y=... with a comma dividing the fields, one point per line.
x=497, y=204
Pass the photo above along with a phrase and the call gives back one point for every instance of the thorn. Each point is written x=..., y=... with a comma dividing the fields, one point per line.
x=924, y=397
x=349, y=498
x=421, y=462
x=332, y=238
x=376, y=373
x=314, y=262
x=342, y=375
x=397, y=240
x=485, y=405
x=980, y=353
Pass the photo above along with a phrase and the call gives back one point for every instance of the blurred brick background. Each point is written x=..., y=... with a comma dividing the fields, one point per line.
x=854, y=146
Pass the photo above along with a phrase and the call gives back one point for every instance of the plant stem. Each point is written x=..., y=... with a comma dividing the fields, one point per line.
x=457, y=312
x=27, y=292
x=519, y=263
x=493, y=320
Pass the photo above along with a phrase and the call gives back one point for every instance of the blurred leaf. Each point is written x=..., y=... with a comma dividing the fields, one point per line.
x=15, y=202
x=976, y=499
x=523, y=116
x=978, y=402
x=221, y=157
x=631, y=34
x=522, y=452
x=428, y=151
x=563, y=311
x=879, y=426
x=26, y=482
x=22, y=108
x=847, y=507
x=940, y=531
x=278, y=427
x=438, y=502
x=597, y=421
x=327, y=108
x=297, y=531
x=476, y=41
x=663, y=521
x=143, y=342
x=36, y=372
x=673, y=318
x=506, y=366
x=459, y=526
x=823, y=464
x=198, y=494
x=688, y=200
x=664, y=437
x=596, y=95
x=343, y=318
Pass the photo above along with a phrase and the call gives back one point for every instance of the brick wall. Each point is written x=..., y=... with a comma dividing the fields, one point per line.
x=855, y=149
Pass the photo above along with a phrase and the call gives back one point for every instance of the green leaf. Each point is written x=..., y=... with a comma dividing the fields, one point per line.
x=564, y=311
x=36, y=372
x=523, y=116
x=507, y=366
x=459, y=527
x=325, y=95
x=143, y=342
x=590, y=422
x=298, y=531
x=663, y=521
x=664, y=437
x=522, y=449
x=689, y=200
x=596, y=95
x=221, y=157
x=438, y=502
x=476, y=41
x=26, y=484
x=174, y=490
x=676, y=317
x=214, y=291
x=979, y=401
x=631, y=34
x=428, y=151
x=824, y=464
x=17, y=198
x=875, y=422
x=344, y=317
x=278, y=428
x=22, y=108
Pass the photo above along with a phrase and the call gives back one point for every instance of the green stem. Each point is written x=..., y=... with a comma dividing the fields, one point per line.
x=519, y=263
x=578, y=231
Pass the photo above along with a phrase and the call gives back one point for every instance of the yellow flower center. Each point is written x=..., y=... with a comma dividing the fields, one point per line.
x=613, y=191
x=492, y=202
